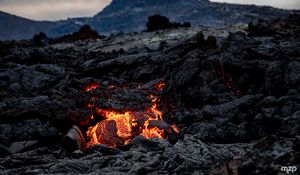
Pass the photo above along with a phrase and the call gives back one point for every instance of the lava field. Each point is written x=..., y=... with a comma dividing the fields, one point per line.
x=191, y=100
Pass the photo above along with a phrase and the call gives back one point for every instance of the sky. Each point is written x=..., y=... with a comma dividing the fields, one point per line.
x=53, y=9
x=63, y=9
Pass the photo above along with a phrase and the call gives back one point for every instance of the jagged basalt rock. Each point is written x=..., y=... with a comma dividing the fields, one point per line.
x=289, y=27
x=158, y=22
x=233, y=94
x=84, y=33
x=40, y=39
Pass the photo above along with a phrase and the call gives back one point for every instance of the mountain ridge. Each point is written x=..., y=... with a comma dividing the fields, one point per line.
x=129, y=16
x=15, y=27
x=198, y=12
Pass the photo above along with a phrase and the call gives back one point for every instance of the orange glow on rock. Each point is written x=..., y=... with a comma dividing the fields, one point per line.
x=175, y=128
x=91, y=87
x=119, y=128
x=160, y=86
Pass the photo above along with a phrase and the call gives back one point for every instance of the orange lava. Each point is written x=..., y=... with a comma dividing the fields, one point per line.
x=91, y=87
x=160, y=86
x=176, y=129
x=125, y=122
x=128, y=124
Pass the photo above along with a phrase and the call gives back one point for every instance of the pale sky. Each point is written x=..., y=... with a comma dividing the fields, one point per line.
x=62, y=9
x=52, y=9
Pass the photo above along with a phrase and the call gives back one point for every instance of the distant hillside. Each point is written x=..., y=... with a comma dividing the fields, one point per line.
x=131, y=15
x=14, y=27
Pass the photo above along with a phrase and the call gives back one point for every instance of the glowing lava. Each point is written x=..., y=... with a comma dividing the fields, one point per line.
x=119, y=128
x=160, y=86
x=91, y=87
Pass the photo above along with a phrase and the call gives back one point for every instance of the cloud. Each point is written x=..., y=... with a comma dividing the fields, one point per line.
x=286, y=4
x=53, y=9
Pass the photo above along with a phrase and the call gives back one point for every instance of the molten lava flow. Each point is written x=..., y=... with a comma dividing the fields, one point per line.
x=160, y=86
x=91, y=87
x=127, y=121
x=153, y=132
x=175, y=128
x=123, y=122
x=119, y=128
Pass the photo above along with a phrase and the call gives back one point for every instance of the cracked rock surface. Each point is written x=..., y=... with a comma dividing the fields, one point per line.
x=233, y=93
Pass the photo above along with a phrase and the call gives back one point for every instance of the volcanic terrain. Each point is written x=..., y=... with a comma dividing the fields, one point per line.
x=194, y=100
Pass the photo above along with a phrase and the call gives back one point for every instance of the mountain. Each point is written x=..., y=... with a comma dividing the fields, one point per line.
x=14, y=27
x=129, y=15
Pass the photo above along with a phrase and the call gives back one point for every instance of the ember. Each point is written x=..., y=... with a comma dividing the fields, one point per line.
x=160, y=86
x=91, y=87
x=119, y=128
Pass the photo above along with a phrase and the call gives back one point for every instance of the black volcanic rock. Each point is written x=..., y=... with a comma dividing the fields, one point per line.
x=276, y=26
x=40, y=39
x=84, y=33
x=234, y=97
x=158, y=22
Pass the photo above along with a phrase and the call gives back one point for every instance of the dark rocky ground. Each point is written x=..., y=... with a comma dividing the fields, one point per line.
x=233, y=93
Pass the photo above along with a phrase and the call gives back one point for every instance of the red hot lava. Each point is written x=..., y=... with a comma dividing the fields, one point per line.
x=91, y=87
x=119, y=128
